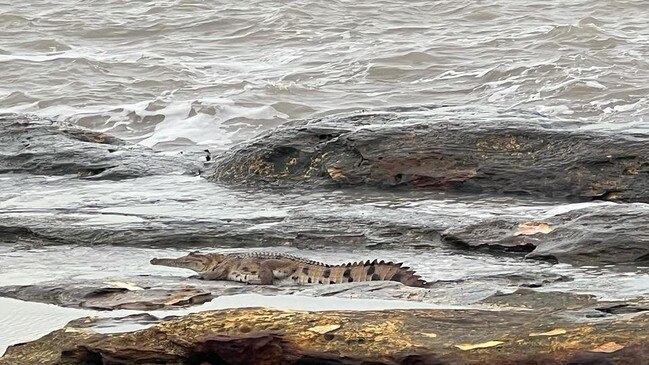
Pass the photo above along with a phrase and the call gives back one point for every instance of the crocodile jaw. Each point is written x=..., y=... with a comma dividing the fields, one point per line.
x=182, y=262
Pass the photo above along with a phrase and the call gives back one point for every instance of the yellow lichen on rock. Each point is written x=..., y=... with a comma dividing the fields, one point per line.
x=554, y=332
x=336, y=174
x=481, y=345
x=533, y=227
x=315, y=165
x=608, y=347
x=459, y=335
x=324, y=328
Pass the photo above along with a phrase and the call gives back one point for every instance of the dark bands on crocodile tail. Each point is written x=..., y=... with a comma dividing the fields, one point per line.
x=376, y=271
x=406, y=276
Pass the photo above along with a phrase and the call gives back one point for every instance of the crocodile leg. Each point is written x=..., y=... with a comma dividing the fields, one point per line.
x=254, y=271
x=213, y=275
x=265, y=274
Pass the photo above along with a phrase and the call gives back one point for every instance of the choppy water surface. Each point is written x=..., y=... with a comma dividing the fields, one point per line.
x=206, y=72
x=172, y=74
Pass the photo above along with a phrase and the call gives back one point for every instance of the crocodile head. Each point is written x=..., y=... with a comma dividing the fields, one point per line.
x=194, y=261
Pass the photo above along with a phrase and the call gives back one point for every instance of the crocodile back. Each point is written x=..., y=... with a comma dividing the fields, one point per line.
x=279, y=256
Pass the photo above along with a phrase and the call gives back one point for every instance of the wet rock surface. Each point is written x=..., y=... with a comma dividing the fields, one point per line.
x=102, y=323
x=594, y=234
x=156, y=292
x=262, y=336
x=108, y=294
x=542, y=301
x=39, y=146
x=420, y=148
x=143, y=293
x=300, y=229
x=604, y=234
x=82, y=213
x=590, y=235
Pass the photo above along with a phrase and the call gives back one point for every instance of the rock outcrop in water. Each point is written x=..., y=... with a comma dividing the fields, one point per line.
x=546, y=331
x=516, y=155
x=110, y=294
x=536, y=158
x=156, y=291
x=38, y=146
x=596, y=234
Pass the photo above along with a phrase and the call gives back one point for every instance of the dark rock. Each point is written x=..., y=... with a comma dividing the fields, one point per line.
x=304, y=231
x=153, y=292
x=142, y=319
x=38, y=146
x=499, y=234
x=107, y=295
x=605, y=234
x=505, y=154
x=253, y=349
x=213, y=220
x=174, y=291
x=623, y=308
x=592, y=235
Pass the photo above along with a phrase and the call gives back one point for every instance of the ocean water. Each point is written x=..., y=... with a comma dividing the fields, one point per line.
x=175, y=73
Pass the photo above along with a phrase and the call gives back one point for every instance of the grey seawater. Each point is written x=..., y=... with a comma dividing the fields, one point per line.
x=177, y=74
x=182, y=72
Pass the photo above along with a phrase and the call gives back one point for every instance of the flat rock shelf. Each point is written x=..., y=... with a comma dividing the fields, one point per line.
x=262, y=336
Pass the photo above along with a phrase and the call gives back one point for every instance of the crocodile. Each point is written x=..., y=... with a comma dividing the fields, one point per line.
x=271, y=268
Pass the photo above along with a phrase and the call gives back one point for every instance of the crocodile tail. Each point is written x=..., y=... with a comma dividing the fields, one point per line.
x=373, y=271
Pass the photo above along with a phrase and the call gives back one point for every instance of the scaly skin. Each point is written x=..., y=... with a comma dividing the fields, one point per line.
x=265, y=268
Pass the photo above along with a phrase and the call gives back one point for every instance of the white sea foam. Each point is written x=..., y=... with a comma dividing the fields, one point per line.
x=69, y=63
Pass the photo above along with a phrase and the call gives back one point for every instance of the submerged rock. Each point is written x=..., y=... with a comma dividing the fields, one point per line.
x=39, y=146
x=263, y=336
x=417, y=148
